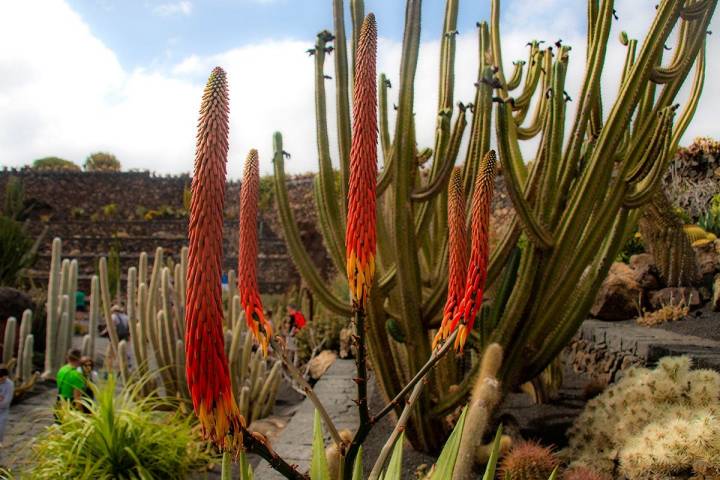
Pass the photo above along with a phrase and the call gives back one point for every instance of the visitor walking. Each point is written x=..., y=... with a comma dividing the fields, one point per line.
x=70, y=382
x=7, y=389
x=121, y=322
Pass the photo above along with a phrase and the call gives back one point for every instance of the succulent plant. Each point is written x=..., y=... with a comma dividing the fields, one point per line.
x=575, y=203
x=528, y=460
x=654, y=422
x=21, y=368
x=60, y=308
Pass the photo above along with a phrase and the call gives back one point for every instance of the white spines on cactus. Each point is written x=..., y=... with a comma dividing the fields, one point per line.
x=655, y=422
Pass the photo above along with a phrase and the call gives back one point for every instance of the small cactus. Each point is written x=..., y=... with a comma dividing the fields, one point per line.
x=582, y=473
x=528, y=460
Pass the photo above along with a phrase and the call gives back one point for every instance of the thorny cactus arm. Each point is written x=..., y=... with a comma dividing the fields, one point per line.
x=332, y=218
x=342, y=97
x=292, y=237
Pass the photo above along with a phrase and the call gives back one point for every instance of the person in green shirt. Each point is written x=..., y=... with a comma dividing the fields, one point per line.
x=70, y=382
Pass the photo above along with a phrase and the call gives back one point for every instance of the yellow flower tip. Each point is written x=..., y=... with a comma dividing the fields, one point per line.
x=461, y=338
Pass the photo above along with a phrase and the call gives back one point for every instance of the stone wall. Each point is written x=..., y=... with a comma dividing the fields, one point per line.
x=94, y=211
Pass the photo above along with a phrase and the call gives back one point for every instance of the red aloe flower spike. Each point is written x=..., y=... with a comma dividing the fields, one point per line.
x=457, y=254
x=248, y=253
x=208, y=376
x=477, y=270
x=360, y=233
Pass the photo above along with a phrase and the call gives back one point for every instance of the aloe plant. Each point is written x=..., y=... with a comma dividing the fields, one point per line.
x=575, y=202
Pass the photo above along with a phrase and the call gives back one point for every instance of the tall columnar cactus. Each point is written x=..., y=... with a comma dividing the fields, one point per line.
x=160, y=309
x=575, y=202
x=61, y=309
x=20, y=366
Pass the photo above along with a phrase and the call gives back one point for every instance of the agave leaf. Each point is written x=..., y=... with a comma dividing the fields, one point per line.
x=394, y=469
x=494, y=454
x=319, y=467
x=446, y=463
x=358, y=468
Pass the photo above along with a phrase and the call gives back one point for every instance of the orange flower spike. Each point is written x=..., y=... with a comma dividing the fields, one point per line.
x=457, y=253
x=477, y=270
x=360, y=233
x=248, y=253
x=207, y=371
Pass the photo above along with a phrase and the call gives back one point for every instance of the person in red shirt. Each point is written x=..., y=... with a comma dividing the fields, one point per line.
x=294, y=323
x=297, y=319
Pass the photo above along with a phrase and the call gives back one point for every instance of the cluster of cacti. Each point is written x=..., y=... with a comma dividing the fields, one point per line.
x=575, y=202
x=652, y=424
x=21, y=367
x=669, y=242
x=528, y=460
x=155, y=304
x=692, y=180
x=60, y=309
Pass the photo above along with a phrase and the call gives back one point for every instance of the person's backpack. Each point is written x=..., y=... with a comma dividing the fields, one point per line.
x=122, y=327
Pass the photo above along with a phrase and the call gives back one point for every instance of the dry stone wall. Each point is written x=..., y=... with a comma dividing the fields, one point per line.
x=94, y=211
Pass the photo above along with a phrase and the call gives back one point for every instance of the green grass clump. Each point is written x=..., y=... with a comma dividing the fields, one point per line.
x=124, y=436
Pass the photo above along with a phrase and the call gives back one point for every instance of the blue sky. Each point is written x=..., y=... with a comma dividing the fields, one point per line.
x=78, y=76
x=160, y=32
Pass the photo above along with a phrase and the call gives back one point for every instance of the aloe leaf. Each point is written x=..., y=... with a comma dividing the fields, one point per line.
x=446, y=463
x=394, y=469
x=358, y=467
x=319, y=467
x=494, y=454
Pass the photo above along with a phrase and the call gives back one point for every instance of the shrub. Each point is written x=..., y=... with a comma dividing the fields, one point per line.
x=14, y=204
x=710, y=220
x=110, y=210
x=632, y=247
x=55, y=163
x=122, y=437
x=16, y=251
x=102, y=162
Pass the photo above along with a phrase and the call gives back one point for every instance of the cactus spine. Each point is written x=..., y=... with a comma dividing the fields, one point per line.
x=572, y=203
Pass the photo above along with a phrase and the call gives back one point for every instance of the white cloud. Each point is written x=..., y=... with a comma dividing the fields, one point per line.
x=64, y=93
x=183, y=7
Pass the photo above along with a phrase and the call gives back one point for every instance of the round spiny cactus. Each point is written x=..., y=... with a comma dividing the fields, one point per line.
x=583, y=473
x=528, y=460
